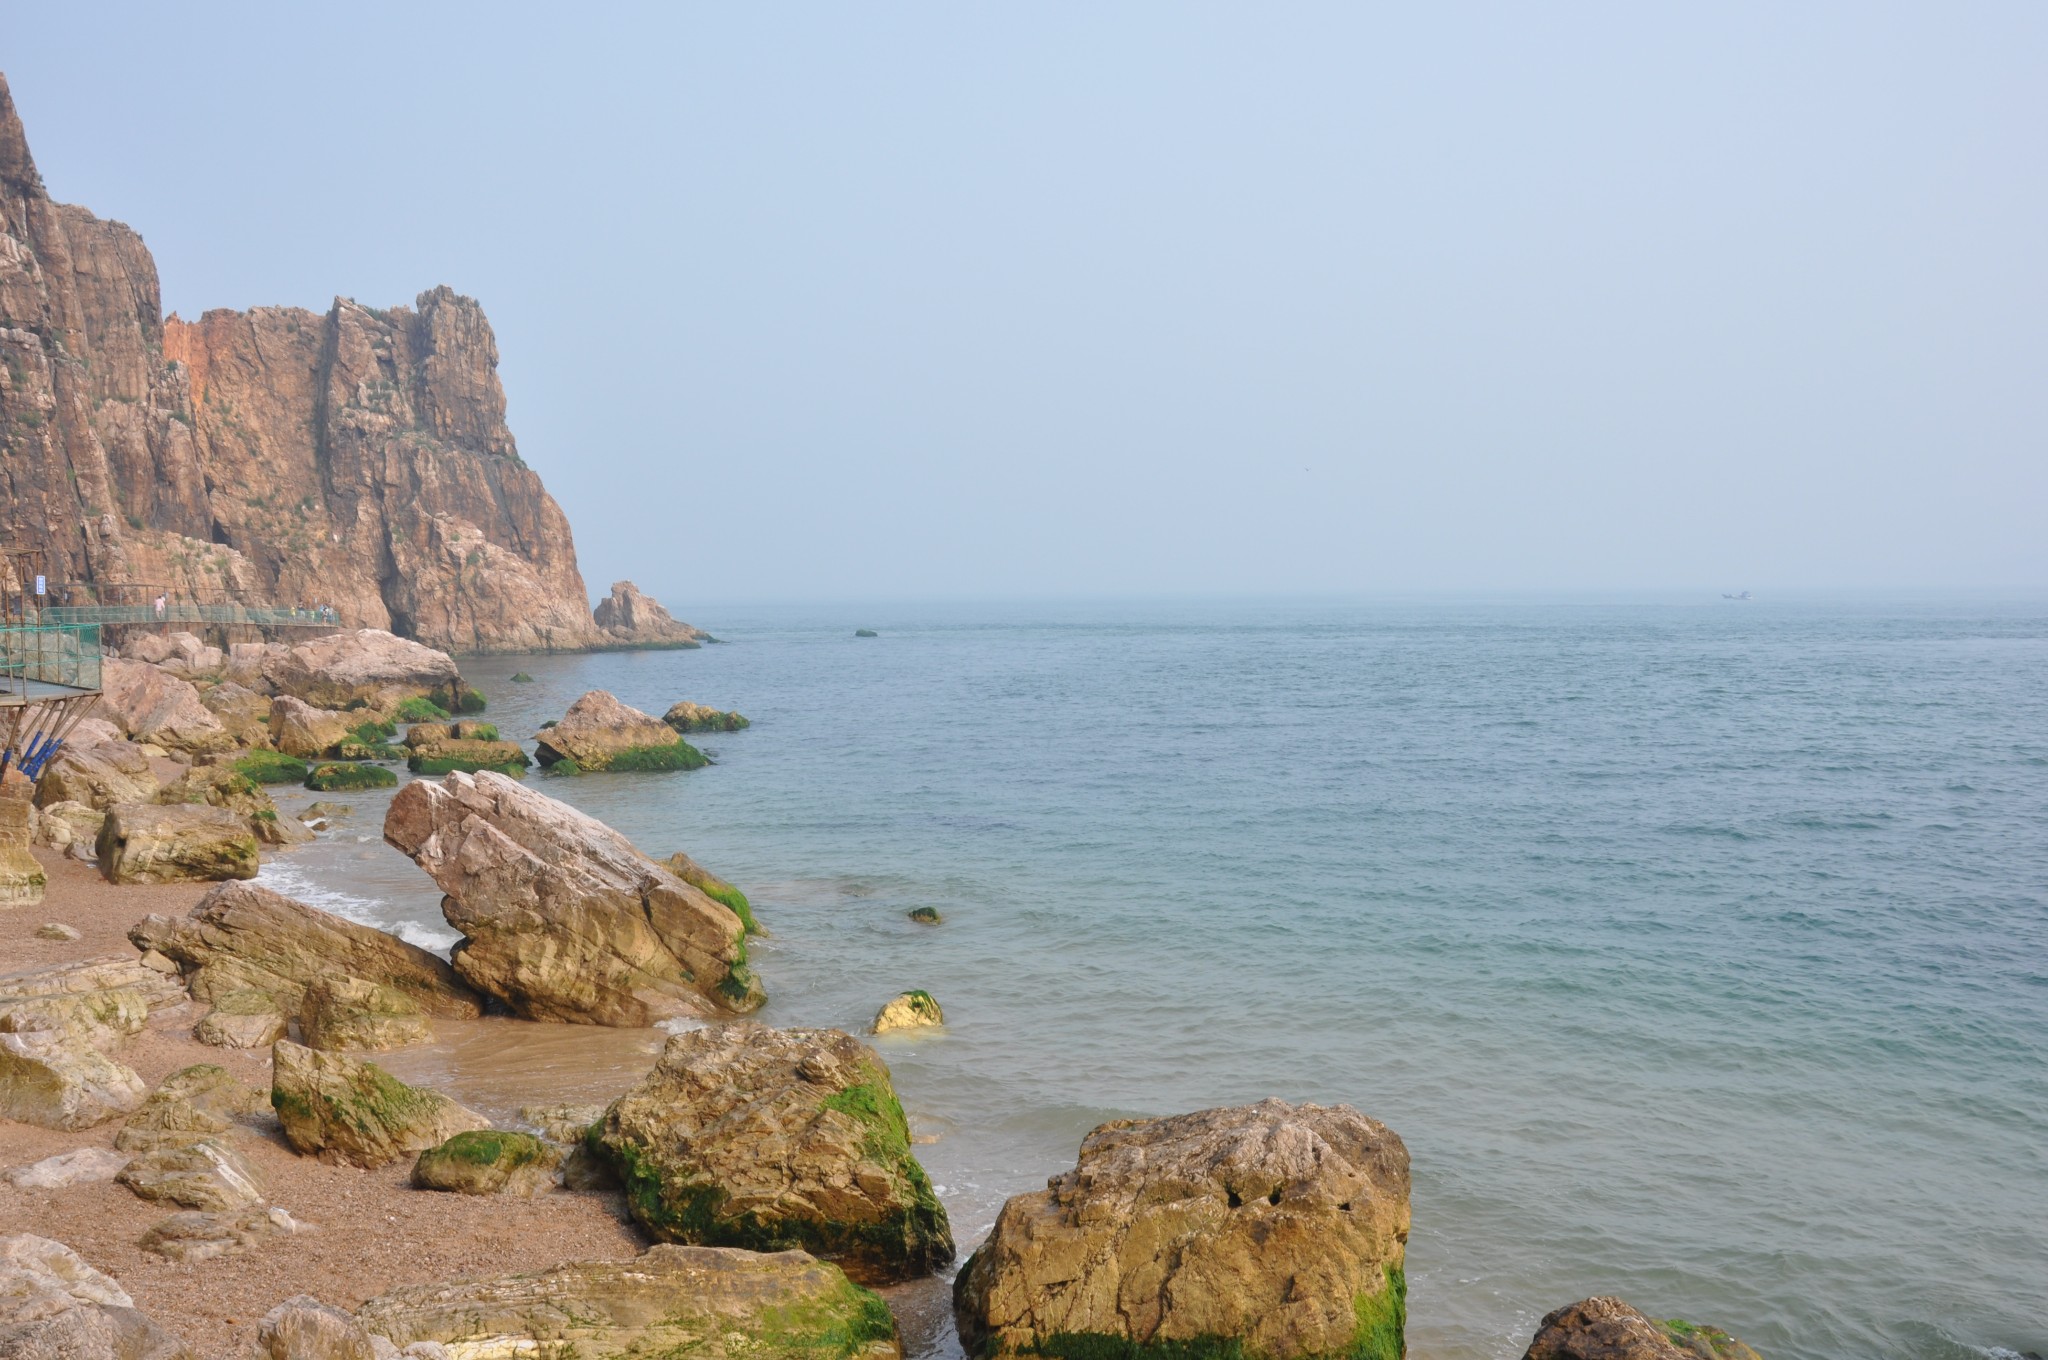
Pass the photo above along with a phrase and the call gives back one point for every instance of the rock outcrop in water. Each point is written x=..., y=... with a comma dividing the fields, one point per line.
x=564, y=918
x=630, y=619
x=1605, y=1328
x=1281, y=1227
x=357, y=459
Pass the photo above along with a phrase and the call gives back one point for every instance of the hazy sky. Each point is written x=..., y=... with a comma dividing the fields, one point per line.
x=913, y=300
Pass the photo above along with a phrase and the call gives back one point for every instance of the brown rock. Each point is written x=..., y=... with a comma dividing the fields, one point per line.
x=62, y=825
x=349, y=1013
x=182, y=844
x=701, y=1302
x=303, y=1328
x=53, y=1306
x=81, y=1166
x=1280, y=1226
x=243, y=1019
x=195, y=1103
x=685, y=716
x=56, y=1082
x=245, y=937
x=92, y=975
x=98, y=776
x=356, y=1112
x=753, y=1137
x=156, y=707
x=298, y=729
x=223, y=786
x=489, y=1162
x=193, y=1235
x=565, y=919
x=244, y=712
x=1605, y=1328
x=207, y=1175
x=428, y=734
x=598, y=729
x=94, y=1019
x=628, y=618
x=367, y=667
x=21, y=875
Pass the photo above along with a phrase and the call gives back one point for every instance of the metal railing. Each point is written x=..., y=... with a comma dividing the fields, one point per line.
x=181, y=611
x=62, y=656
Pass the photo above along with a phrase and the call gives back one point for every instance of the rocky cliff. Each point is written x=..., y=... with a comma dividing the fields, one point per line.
x=358, y=459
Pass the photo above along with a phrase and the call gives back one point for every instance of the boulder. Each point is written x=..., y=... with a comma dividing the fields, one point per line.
x=58, y=1083
x=428, y=734
x=64, y=826
x=1279, y=1228
x=247, y=662
x=685, y=716
x=196, y=1235
x=154, y=648
x=223, y=786
x=244, y=712
x=82, y=1166
x=21, y=875
x=565, y=1124
x=53, y=1306
x=182, y=844
x=489, y=1162
x=600, y=733
x=565, y=920
x=93, y=732
x=356, y=1112
x=303, y=1328
x=1608, y=1329
x=94, y=1019
x=762, y=1138
x=299, y=729
x=155, y=707
x=909, y=1010
x=629, y=618
x=245, y=937
x=57, y=930
x=192, y=1104
x=368, y=667
x=715, y=888
x=703, y=1303
x=245, y=1018
x=925, y=916
x=208, y=1175
x=92, y=975
x=447, y=757
x=97, y=776
x=351, y=1013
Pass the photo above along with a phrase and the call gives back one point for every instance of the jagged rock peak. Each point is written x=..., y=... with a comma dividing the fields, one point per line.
x=631, y=618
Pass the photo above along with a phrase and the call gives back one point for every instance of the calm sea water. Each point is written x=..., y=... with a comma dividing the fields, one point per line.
x=1699, y=951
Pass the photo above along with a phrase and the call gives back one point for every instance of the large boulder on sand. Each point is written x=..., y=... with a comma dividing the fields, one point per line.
x=350, y=1013
x=489, y=1162
x=154, y=706
x=299, y=729
x=208, y=1175
x=54, y=1081
x=367, y=667
x=1608, y=1329
x=701, y=1302
x=630, y=618
x=53, y=1306
x=187, y=843
x=357, y=1112
x=747, y=1136
x=223, y=786
x=600, y=733
x=565, y=920
x=192, y=1104
x=98, y=775
x=245, y=937
x=1281, y=1227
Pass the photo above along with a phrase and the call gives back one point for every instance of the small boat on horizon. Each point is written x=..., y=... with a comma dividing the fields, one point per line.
x=1730, y=595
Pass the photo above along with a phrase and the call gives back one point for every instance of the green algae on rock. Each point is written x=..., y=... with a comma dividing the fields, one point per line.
x=1609, y=1328
x=600, y=733
x=271, y=767
x=715, y=888
x=685, y=716
x=770, y=1139
x=925, y=916
x=469, y=756
x=908, y=1010
x=356, y=1110
x=338, y=776
x=488, y=1162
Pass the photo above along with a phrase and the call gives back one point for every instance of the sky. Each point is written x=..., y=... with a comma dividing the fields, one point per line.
x=915, y=300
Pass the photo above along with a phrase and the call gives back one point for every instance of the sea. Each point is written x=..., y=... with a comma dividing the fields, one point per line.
x=1696, y=948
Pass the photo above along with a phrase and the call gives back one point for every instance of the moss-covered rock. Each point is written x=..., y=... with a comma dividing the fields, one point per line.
x=521, y=678
x=356, y=750
x=925, y=916
x=469, y=756
x=338, y=776
x=600, y=733
x=909, y=1010
x=458, y=697
x=271, y=767
x=243, y=1018
x=715, y=888
x=685, y=716
x=673, y=1303
x=865, y=632
x=489, y=1162
x=356, y=1110
x=688, y=1143
x=419, y=709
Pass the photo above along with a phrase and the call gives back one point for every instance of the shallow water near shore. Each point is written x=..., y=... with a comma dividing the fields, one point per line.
x=1698, y=951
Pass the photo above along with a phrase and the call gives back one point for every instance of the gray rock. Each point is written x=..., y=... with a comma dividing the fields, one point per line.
x=209, y=1176
x=84, y=1166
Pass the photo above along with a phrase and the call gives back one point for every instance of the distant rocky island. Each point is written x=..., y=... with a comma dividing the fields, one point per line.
x=356, y=459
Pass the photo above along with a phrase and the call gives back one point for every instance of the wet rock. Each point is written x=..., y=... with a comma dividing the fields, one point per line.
x=701, y=1302
x=84, y=1166
x=600, y=733
x=356, y=1112
x=195, y=1103
x=320, y=810
x=489, y=1162
x=195, y=1235
x=1278, y=1227
x=1605, y=1328
x=565, y=920
x=303, y=1328
x=762, y=1138
x=155, y=707
x=685, y=716
x=925, y=916
x=367, y=667
x=245, y=937
x=58, y=1083
x=446, y=757
x=245, y=1018
x=629, y=618
x=909, y=1010
x=183, y=844
x=428, y=734
x=208, y=1175
x=97, y=776
x=299, y=729
x=53, y=1306
x=56, y=930
x=350, y=1013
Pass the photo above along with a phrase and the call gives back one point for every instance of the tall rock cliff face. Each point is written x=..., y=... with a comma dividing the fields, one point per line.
x=358, y=459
